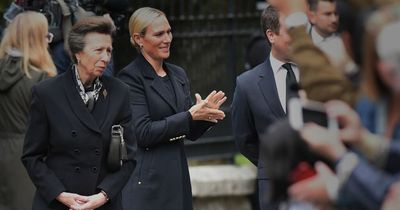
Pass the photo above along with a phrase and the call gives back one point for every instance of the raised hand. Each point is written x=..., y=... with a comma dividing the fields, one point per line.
x=392, y=199
x=215, y=99
x=316, y=189
x=323, y=141
x=349, y=122
x=208, y=109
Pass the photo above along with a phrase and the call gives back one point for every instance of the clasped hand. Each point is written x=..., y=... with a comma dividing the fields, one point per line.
x=208, y=109
x=79, y=202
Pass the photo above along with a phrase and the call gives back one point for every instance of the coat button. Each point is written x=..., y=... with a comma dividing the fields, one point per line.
x=74, y=133
x=97, y=152
x=77, y=152
x=77, y=169
x=94, y=170
x=147, y=149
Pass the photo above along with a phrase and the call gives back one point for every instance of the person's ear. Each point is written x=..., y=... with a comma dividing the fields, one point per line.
x=136, y=39
x=132, y=41
x=270, y=35
x=312, y=17
x=78, y=58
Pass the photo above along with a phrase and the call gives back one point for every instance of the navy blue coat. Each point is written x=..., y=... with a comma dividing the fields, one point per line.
x=66, y=146
x=255, y=106
x=161, y=180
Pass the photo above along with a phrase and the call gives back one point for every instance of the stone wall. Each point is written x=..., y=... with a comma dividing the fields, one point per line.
x=222, y=187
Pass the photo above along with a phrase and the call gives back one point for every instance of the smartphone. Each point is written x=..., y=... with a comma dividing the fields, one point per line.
x=311, y=111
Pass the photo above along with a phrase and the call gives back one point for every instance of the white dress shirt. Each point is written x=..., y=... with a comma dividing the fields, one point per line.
x=280, y=78
x=318, y=39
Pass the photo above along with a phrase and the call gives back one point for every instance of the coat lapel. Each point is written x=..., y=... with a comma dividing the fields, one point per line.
x=102, y=103
x=156, y=84
x=178, y=84
x=267, y=86
x=163, y=92
x=76, y=102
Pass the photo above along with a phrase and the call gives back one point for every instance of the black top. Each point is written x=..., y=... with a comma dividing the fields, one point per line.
x=167, y=83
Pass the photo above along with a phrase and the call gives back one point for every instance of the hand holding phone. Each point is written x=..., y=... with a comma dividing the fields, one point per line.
x=300, y=113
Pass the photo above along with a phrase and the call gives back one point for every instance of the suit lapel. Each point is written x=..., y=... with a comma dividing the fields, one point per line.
x=160, y=89
x=101, y=107
x=76, y=102
x=157, y=83
x=178, y=84
x=267, y=86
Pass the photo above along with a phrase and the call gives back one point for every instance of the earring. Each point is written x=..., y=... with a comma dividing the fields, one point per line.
x=79, y=61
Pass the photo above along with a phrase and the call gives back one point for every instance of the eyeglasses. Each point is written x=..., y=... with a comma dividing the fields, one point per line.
x=49, y=37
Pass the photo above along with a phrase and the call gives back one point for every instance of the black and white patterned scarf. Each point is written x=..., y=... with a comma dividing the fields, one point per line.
x=91, y=96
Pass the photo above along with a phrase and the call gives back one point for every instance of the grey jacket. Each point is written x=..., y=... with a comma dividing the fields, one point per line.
x=15, y=93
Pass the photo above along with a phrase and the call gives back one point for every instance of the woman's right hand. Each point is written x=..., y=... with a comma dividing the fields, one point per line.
x=208, y=109
x=71, y=199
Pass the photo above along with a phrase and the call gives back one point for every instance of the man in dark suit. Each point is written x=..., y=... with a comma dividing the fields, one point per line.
x=260, y=96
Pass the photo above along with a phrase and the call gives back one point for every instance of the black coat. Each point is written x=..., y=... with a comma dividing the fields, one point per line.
x=66, y=146
x=161, y=180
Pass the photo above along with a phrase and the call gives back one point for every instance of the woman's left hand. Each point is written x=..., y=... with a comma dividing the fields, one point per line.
x=215, y=99
x=208, y=109
x=93, y=202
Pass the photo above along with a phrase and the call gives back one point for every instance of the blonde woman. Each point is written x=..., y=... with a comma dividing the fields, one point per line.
x=164, y=117
x=24, y=61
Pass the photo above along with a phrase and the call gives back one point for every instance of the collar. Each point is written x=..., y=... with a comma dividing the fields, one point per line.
x=97, y=85
x=317, y=38
x=277, y=64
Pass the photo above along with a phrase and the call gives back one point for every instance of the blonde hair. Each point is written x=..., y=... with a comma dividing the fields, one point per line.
x=141, y=19
x=27, y=33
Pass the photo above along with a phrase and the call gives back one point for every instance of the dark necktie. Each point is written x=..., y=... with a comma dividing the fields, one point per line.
x=291, y=82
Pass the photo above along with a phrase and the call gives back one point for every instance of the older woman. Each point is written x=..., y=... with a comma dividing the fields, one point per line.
x=69, y=132
x=24, y=61
x=163, y=117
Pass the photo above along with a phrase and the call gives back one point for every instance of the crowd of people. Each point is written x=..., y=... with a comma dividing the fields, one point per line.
x=58, y=121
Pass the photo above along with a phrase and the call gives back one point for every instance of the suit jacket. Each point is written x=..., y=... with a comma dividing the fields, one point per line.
x=66, y=146
x=255, y=106
x=161, y=180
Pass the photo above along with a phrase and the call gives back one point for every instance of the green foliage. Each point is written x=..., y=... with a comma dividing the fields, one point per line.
x=241, y=160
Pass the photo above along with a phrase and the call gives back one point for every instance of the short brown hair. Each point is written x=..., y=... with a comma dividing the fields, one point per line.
x=314, y=3
x=270, y=20
x=98, y=24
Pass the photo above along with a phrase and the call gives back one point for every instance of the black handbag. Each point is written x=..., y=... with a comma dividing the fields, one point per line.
x=117, y=153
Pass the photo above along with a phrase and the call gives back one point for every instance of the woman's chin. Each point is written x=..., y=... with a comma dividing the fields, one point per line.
x=99, y=71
